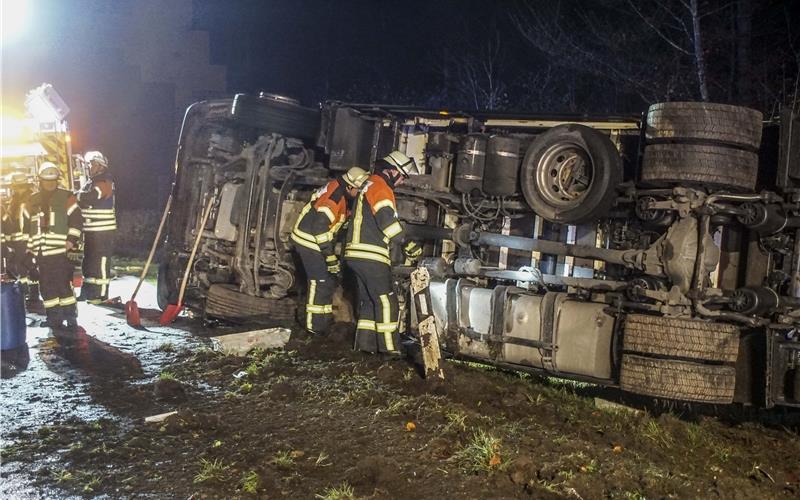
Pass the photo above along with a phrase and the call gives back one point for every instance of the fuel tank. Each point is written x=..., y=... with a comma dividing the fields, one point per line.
x=470, y=163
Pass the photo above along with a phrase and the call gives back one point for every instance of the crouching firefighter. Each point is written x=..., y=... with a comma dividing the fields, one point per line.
x=314, y=235
x=96, y=200
x=374, y=227
x=54, y=228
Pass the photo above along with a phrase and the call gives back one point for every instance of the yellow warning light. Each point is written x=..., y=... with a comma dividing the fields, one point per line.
x=444, y=113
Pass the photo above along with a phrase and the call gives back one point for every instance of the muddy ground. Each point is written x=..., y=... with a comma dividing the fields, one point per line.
x=319, y=421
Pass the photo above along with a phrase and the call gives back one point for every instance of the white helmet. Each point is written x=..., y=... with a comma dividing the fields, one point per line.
x=401, y=162
x=96, y=156
x=48, y=171
x=355, y=177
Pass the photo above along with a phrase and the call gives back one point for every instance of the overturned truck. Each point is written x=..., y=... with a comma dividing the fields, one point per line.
x=657, y=253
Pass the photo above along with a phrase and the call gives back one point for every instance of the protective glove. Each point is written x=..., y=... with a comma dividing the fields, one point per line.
x=412, y=252
x=334, y=267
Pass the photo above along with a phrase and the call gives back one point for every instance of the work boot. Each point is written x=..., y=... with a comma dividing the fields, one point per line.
x=54, y=318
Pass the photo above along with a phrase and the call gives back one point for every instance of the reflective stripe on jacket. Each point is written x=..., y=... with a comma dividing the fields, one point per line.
x=321, y=218
x=55, y=218
x=97, y=201
x=375, y=223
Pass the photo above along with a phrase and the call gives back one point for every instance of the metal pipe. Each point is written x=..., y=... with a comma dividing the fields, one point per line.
x=628, y=258
x=699, y=263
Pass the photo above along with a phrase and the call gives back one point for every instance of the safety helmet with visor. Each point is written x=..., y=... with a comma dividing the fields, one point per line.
x=405, y=165
x=355, y=177
x=48, y=171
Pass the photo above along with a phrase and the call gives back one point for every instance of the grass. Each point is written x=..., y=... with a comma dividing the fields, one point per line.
x=166, y=347
x=480, y=454
x=251, y=482
x=322, y=460
x=63, y=476
x=166, y=375
x=211, y=470
x=92, y=484
x=399, y=405
x=456, y=421
x=341, y=492
x=660, y=436
x=283, y=459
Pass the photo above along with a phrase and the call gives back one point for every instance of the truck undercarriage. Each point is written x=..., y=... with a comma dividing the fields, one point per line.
x=657, y=254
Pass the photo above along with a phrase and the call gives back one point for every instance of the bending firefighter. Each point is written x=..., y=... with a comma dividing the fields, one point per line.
x=96, y=200
x=54, y=228
x=315, y=236
x=374, y=227
x=16, y=238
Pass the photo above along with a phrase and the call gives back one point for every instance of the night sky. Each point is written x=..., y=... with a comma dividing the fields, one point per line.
x=404, y=52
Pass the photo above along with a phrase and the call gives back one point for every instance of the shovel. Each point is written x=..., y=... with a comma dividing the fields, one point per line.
x=131, y=309
x=172, y=310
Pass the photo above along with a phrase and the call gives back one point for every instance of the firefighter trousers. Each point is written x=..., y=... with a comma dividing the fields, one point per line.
x=376, y=330
x=55, y=285
x=98, y=247
x=321, y=285
x=19, y=265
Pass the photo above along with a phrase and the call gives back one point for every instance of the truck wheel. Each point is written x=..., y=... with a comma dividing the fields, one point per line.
x=682, y=338
x=225, y=301
x=673, y=379
x=715, y=167
x=569, y=174
x=276, y=114
x=702, y=121
x=166, y=291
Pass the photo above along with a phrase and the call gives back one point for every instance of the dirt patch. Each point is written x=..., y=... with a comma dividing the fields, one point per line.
x=320, y=419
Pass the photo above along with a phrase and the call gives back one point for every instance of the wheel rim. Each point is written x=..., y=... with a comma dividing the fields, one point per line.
x=564, y=175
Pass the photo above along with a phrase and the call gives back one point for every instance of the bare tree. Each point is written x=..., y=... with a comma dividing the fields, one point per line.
x=477, y=75
x=654, y=48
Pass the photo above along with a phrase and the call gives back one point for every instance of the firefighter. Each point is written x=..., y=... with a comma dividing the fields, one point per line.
x=314, y=235
x=374, y=227
x=16, y=237
x=53, y=220
x=96, y=200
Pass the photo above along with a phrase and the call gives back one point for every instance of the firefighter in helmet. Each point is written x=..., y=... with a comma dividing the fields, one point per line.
x=375, y=226
x=16, y=238
x=53, y=220
x=96, y=200
x=314, y=236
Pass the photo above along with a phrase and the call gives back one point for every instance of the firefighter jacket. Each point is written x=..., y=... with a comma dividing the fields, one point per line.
x=55, y=218
x=14, y=217
x=375, y=223
x=321, y=219
x=96, y=200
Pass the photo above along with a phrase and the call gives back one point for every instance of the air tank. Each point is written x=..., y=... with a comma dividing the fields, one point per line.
x=501, y=172
x=439, y=159
x=470, y=162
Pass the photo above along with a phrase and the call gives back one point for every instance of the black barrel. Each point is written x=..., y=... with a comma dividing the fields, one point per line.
x=470, y=162
x=501, y=174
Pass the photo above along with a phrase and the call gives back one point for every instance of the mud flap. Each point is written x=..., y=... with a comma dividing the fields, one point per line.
x=426, y=324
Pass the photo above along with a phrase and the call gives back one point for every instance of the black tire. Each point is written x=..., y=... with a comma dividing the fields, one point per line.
x=277, y=115
x=681, y=380
x=541, y=188
x=681, y=338
x=721, y=124
x=166, y=290
x=225, y=301
x=715, y=167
